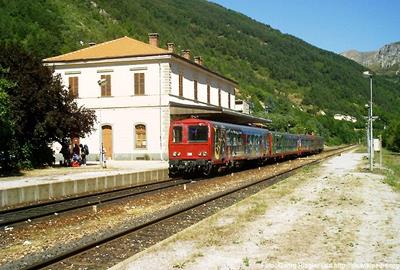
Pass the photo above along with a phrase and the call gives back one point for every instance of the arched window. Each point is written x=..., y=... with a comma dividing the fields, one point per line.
x=140, y=132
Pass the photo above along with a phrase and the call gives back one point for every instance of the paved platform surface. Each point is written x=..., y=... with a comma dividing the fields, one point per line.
x=93, y=169
x=60, y=182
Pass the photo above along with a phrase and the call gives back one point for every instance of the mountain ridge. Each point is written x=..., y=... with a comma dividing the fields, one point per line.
x=384, y=60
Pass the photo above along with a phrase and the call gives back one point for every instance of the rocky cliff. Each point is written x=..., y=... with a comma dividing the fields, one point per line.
x=386, y=58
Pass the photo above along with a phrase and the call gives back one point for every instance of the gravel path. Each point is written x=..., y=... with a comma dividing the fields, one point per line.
x=334, y=216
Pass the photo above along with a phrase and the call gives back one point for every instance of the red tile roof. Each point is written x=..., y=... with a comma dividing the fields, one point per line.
x=121, y=47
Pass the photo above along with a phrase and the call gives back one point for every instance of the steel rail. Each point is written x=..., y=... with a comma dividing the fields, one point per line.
x=11, y=217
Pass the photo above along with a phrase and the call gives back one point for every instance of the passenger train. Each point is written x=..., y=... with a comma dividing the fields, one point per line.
x=206, y=147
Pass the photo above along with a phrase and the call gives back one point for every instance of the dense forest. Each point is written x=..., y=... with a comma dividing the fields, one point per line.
x=298, y=86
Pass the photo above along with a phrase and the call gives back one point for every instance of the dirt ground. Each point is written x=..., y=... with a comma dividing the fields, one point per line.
x=332, y=216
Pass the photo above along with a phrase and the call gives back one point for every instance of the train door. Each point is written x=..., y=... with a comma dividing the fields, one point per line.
x=265, y=147
x=224, y=144
x=231, y=143
x=247, y=148
x=219, y=143
x=270, y=144
x=277, y=143
x=299, y=145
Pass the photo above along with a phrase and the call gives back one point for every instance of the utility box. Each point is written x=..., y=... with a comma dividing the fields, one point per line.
x=377, y=145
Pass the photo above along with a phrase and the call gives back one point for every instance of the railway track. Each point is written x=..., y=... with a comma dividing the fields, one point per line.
x=146, y=229
x=28, y=213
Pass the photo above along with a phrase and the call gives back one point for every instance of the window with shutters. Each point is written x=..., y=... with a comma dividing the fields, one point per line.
x=208, y=93
x=140, y=132
x=139, y=84
x=195, y=89
x=219, y=97
x=180, y=85
x=229, y=100
x=105, y=85
x=73, y=86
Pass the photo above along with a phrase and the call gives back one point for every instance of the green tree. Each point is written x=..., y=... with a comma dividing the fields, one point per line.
x=7, y=145
x=392, y=136
x=40, y=109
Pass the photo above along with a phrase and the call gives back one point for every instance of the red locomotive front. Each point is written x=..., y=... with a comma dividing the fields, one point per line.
x=190, y=146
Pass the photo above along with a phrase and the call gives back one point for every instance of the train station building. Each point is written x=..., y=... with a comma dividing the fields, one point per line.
x=137, y=88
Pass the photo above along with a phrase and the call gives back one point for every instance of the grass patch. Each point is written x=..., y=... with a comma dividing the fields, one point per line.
x=246, y=262
x=361, y=149
x=308, y=168
x=179, y=265
x=391, y=166
x=392, y=176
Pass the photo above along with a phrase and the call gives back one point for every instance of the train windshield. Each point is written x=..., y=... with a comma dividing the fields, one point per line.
x=177, y=134
x=198, y=133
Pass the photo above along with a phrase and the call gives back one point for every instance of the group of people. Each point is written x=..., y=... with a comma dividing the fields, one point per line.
x=75, y=155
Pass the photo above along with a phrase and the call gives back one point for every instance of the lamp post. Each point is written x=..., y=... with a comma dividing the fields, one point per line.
x=367, y=131
x=370, y=120
x=102, y=157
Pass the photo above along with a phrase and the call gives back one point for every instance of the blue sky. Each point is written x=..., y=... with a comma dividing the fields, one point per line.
x=334, y=25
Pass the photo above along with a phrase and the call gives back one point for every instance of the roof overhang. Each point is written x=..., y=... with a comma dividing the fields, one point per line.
x=131, y=58
x=215, y=113
x=181, y=58
x=114, y=60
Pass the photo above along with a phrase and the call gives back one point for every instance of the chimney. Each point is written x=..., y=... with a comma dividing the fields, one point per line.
x=153, y=39
x=171, y=47
x=198, y=60
x=186, y=54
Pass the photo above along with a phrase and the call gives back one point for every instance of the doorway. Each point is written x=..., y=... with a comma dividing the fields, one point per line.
x=107, y=140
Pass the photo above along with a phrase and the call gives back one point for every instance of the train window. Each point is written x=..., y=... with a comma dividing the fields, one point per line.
x=239, y=139
x=231, y=137
x=198, y=133
x=177, y=134
x=228, y=137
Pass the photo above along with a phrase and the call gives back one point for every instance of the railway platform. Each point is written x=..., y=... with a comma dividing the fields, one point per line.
x=61, y=182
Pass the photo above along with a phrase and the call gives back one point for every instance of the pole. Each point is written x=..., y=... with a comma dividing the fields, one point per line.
x=380, y=151
x=160, y=111
x=368, y=140
x=371, y=157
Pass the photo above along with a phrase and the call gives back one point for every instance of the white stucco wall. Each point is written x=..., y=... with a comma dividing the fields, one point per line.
x=122, y=83
x=191, y=73
x=123, y=110
x=123, y=121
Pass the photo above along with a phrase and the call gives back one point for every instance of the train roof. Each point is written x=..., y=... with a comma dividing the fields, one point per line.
x=196, y=121
x=248, y=128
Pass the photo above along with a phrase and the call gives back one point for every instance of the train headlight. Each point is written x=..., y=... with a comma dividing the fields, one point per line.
x=205, y=153
x=174, y=154
x=178, y=154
